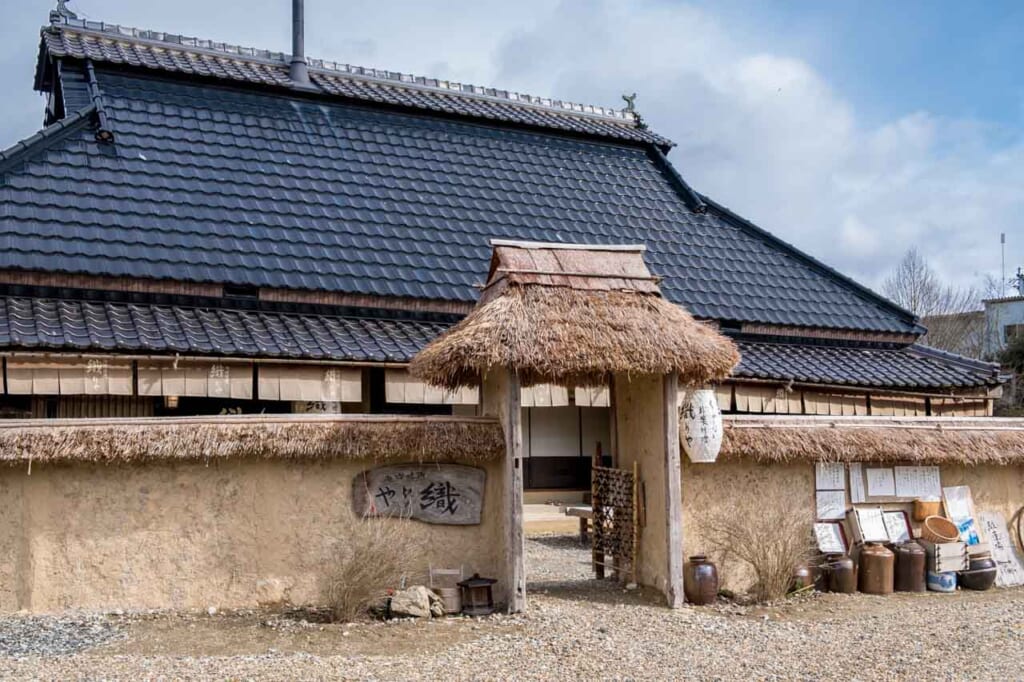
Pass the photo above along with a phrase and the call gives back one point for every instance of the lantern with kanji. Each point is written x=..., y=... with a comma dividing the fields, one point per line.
x=701, y=426
x=477, y=596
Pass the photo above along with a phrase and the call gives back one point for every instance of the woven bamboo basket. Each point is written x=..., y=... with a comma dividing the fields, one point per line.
x=939, y=529
x=925, y=508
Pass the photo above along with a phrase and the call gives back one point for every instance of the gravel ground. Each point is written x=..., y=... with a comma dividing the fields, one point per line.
x=48, y=636
x=576, y=629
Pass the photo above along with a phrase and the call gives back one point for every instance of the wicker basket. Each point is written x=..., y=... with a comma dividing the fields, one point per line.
x=925, y=508
x=939, y=529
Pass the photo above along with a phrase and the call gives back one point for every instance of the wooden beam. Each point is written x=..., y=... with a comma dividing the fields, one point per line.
x=516, y=567
x=673, y=492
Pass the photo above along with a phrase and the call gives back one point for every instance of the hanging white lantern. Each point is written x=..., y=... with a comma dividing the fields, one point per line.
x=701, y=426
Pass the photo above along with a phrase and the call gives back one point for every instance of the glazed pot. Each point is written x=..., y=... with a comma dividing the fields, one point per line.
x=700, y=581
x=981, y=575
x=803, y=577
x=842, y=574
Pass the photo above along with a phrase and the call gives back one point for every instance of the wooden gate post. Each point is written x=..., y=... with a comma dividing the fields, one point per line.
x=514, y=549
x=673, y=491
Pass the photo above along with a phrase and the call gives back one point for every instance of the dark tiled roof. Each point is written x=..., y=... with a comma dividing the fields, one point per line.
x=912, y=367
x=33, y=323
x=72, y=325
x=192, y=57
x=215, y=184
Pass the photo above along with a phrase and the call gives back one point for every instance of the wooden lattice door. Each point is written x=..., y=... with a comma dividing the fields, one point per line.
x=616, y=520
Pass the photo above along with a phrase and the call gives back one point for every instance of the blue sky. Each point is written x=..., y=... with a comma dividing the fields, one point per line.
x=854, y=130
x=961, y=59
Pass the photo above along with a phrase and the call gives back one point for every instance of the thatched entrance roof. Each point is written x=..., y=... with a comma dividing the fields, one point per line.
x=573, y=315
x=925, y=440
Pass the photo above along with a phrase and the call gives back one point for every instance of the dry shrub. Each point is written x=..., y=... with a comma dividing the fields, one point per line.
x=767, y=534
x=377, y=554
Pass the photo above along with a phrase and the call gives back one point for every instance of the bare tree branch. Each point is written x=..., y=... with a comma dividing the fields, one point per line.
x=952, y=315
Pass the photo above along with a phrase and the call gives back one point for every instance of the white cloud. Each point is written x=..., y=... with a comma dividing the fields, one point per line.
x=759, y=130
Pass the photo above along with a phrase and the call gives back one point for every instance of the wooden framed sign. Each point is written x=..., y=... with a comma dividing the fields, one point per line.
x=449, y=494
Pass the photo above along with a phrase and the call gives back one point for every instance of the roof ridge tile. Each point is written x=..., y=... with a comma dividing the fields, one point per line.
x=70, y=37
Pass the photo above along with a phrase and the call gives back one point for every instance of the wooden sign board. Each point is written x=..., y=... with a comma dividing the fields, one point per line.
x=449, y=494
x=1010, y=572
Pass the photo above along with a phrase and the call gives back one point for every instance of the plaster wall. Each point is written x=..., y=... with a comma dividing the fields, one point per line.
x=998, y=315
x=639, y=427
x=229, y=534
x=738, y=487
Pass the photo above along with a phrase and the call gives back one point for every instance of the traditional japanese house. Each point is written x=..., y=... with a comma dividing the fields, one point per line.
x=206, y=229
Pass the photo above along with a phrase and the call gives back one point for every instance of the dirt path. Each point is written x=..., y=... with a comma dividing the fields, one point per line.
x=576, y=628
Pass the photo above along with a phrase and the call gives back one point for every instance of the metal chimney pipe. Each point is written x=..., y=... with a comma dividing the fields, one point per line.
x=299, y=71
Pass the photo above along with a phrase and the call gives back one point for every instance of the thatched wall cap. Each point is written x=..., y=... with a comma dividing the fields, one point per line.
x=927, y=440
x=572, y=315
x=292, y=437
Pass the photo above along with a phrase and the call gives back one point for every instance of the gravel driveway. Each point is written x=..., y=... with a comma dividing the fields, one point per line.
x=576, y=629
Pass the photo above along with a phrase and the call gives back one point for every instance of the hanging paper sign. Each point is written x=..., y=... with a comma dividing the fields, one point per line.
x=449, y=494
x=881, y=483
x=831, y=504
x=829, y=476
x=701, y=426
x=219, y=381
x=918, y=482
x=857, y=494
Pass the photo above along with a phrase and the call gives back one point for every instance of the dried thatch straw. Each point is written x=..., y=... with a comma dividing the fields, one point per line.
x=166, y=439
x=561, y=335
x=935, y=441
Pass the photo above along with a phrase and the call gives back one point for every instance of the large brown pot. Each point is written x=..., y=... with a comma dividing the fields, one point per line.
x=876, y=569
x=700, y=581
x=910, y=567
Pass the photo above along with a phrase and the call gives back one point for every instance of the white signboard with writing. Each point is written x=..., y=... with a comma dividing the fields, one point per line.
x=450, y=494
x=830, y=476
x=831, y=504
x=857, y=495
x=870, y=524
x=918, y=482
x=829, y=537
x=896, y=526
x=881, y=483
x=1010, y=573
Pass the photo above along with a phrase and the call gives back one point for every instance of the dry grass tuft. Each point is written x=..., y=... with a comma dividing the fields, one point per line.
x=378, y=554
x=771, y=537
